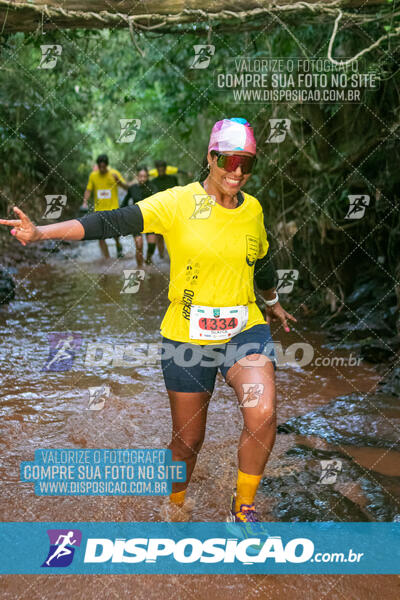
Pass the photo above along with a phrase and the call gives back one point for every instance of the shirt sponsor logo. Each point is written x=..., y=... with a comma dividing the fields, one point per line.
x=251, y=249
x=187, y=301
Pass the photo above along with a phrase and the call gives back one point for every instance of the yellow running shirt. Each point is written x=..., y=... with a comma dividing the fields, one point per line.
x=105, y=189
x=213, y=250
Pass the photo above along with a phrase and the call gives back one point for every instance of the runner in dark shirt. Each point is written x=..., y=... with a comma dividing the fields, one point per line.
x=136, y=192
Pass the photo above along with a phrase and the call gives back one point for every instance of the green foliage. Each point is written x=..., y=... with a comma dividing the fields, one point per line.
x=54, y=122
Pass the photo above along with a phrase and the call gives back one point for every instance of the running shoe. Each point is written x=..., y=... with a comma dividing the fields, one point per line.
x=246, y=514
x=250, y=527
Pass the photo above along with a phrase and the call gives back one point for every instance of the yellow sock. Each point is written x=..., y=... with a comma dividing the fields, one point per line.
x=177, y=497
x=246, y=488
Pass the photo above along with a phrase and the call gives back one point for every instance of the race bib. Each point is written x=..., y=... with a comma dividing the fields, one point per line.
x=103, y=194
x=210, y=323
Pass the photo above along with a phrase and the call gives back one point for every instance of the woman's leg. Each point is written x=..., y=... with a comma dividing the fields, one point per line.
x=139, y=250
x=189, y=417
x=119, y=247
x=160, y=245
x=255, y=389
x=104, y=248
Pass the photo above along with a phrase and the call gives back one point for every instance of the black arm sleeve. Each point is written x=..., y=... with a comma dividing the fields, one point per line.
x=264, y=273
x=112, y=223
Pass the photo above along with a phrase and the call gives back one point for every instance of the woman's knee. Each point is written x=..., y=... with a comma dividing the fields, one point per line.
x=263, y=416
x=185, y=446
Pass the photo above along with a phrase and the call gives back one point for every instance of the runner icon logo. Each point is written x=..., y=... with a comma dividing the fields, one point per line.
x=330, y=471
x=286, y=279
x=202, y=57
x=98, y=396
x=252, y=393
x=357, y=206
x=132, y=281
x=279, y=129
x=63, y=347
x=203, y=206
x=129, y=129
x=50, y=54
x=54, y=206
x=62, y=547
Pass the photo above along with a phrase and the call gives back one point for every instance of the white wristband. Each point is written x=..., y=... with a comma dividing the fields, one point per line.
x=272, y=302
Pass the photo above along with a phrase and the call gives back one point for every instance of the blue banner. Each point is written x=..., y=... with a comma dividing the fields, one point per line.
x=198, y=548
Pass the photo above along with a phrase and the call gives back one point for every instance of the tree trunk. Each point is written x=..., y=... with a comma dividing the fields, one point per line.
x=23, y=15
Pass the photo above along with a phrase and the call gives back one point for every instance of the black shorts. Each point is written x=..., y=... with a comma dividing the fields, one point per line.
x=190, y=367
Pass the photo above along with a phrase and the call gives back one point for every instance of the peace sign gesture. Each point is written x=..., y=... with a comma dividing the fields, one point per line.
x=23, y=228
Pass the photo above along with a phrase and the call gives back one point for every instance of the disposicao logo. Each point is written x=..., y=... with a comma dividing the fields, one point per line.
x=62, y=547
x=191, y=550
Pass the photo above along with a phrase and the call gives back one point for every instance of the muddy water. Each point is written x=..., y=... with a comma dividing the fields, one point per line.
x=80, y=293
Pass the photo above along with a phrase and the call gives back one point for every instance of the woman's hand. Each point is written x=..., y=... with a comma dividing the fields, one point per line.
x=277, y=313
x=23, y=228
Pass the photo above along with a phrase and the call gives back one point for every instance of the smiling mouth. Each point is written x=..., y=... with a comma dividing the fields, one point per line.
x=232, y=182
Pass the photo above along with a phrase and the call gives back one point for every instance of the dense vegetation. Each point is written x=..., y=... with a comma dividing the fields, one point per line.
x=53, y=123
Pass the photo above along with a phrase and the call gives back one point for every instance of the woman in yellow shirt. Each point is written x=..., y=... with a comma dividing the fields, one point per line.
x=216, y=239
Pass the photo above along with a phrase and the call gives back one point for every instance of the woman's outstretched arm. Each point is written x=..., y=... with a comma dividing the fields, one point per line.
x=96, y=226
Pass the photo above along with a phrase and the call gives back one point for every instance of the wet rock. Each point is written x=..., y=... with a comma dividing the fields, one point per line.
x=50, y=246
x=7, y=287
x=304, y=501
x=362, y=293
x=299, y=496
x=378, y=350
x=381, y=502
x=359, y=328
x=368, y=293
x=391, y=382
x=370, y=313
x=352, y=420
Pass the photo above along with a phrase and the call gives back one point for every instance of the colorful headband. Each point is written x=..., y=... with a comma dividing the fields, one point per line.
x=232, y=134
